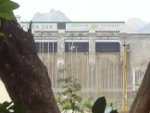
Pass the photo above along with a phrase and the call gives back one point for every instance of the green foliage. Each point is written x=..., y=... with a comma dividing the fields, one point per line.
x=5, y=107
x=1, y=34
x=6, y=9
x=6, y=12
x=69, y=84
x=87, y=105
x=67, y=97
x=10, y=107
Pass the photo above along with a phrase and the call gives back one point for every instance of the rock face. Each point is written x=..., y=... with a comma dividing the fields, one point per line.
x=50, y=16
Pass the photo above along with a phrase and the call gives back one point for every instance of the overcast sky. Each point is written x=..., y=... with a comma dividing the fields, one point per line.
x=87, y=10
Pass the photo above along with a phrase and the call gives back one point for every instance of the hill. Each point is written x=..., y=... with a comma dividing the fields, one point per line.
x=50, y=16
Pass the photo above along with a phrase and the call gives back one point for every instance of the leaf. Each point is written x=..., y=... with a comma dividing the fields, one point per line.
x=18, y=107
x=7, y=15
x=7, y=5
x=5, y=104
x=6, y=9
x=4, y=111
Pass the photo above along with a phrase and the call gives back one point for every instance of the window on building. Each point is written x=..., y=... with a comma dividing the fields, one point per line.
x=107, y=47
x=76, y=46
x=61, y=25
x=45, y=47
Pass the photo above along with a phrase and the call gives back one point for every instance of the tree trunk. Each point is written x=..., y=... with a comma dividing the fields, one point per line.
x=141, y=103
x=24, y=75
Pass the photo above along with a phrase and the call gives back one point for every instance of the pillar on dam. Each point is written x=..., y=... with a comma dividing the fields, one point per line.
x=129, y=72
x=60, y=56
x=92, y=72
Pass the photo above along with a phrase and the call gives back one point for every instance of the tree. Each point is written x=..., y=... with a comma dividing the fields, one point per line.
x=67, y=96
x=141, y=103
x=24, y=75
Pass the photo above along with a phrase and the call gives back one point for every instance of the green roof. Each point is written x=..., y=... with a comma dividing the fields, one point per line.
x=74, y=21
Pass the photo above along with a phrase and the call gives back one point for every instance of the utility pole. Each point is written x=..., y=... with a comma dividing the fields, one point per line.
x=124, y=79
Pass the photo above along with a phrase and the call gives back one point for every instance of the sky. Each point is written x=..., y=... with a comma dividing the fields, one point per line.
x=87, y=10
